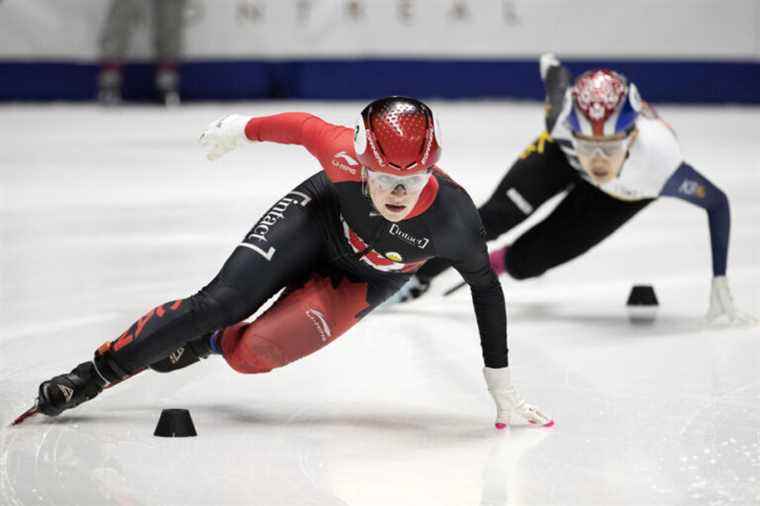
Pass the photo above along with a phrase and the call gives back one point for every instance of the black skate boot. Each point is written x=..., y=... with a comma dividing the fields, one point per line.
x=188, y=354
x=83, y=383
x=69, y=390
x=557, y=78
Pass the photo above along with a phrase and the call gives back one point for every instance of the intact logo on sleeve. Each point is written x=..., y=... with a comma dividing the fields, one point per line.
x=257, y=240
x=692, y=188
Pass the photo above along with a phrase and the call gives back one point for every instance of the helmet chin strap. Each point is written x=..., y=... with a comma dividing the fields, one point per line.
x=365, y=189
x=365, y=183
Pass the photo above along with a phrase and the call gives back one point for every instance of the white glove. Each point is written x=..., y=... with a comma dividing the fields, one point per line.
x=547, y=60
x=722, y=304
x=224, y=135
x=507, y=399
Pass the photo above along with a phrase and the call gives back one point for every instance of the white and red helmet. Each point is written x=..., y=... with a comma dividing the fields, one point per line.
x=604, y=103
x=397, y=135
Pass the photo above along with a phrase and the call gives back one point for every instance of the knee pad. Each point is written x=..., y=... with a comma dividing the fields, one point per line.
x=220, y=306
x=254, y=355
x=247, y=352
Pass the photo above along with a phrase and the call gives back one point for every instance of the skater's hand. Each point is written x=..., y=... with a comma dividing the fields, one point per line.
x=224, y=135
x=508, y=400
x=722, y=304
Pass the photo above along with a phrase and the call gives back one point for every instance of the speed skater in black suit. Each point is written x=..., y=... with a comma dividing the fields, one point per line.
x=340, y=244
x=613, y=155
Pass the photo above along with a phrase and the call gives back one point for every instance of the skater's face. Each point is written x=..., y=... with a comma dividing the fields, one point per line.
x=603, y=157
x=395, y=196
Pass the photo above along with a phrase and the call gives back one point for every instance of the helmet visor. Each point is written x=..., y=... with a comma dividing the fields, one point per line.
x=386, y=182
x=605, y=148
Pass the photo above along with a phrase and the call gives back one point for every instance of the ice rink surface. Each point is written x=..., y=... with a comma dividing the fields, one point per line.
x=107, y=213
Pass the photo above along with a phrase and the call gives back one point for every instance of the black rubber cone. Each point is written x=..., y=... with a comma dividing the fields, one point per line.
x=175, y=423
x=642, y=304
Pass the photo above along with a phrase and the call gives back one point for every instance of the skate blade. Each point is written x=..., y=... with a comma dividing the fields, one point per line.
x=26, y=414
x=34, y=410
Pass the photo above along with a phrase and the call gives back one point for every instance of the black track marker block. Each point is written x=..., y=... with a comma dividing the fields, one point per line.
x=175, y=423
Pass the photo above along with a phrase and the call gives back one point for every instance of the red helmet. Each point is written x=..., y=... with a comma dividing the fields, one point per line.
x=397, y=135
x=604, y=103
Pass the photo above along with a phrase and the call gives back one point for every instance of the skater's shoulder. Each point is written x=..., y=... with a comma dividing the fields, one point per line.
x=448, y=186
x=656, y=145
x=454, y=213
x=452, y=197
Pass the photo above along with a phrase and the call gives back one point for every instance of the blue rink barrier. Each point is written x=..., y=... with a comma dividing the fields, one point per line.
x=363, y=79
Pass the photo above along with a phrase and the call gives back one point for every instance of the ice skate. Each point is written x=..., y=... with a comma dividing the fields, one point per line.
x=69, y=390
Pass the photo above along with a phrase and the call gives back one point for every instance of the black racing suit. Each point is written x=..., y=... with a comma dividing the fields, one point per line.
x=325, y=233
x=584, y=218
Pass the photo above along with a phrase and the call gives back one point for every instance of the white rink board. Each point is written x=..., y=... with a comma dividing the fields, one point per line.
x=104, y=214
x=648, y=29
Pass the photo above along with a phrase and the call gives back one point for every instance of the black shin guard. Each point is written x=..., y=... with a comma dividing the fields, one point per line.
x=106, y=367
x=184, y=356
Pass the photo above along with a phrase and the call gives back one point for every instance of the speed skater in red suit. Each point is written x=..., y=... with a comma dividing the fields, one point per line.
x=340, y=243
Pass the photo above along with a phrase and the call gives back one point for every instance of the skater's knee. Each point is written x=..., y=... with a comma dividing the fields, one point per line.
x=497, y=219
x=492, y=221
x=253, y=355
x=220, y=305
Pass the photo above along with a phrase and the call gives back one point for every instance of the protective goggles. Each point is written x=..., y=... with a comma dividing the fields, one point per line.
x=606, y=148
x=385, y=182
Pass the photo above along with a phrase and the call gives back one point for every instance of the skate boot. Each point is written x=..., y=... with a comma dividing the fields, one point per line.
x=83, y=383
x=557, y=78
x=188, y=354
x=69, y=390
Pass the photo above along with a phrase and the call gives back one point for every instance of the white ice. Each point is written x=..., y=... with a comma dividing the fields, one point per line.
x=107, y=213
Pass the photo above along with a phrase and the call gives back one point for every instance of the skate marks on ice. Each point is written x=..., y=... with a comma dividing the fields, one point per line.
x=441, y=357
x=716, y=462
x=313, y=452
x=663, y=416
x=578, y=297
x=613, y=324
x=419, y=460
x=61, y=464
x=20, y=331
x=600, y=308
x=658, y=420
x=112, y=458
